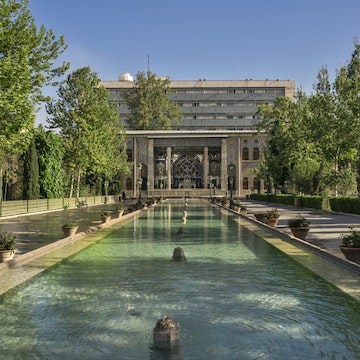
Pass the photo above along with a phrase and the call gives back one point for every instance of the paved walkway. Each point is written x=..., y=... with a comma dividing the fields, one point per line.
x=325, y=227
x=37, y=230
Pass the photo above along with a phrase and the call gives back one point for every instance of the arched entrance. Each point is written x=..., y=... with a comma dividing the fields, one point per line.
x=188, y=172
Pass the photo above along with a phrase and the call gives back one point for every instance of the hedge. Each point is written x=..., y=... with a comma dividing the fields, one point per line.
x=349, y=205
x=310, y=201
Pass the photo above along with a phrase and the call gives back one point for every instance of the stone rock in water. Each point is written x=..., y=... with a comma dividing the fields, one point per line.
x=166, y=332
x=179, y=253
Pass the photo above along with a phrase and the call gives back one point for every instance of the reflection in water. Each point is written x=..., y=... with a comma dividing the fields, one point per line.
x=235, y=297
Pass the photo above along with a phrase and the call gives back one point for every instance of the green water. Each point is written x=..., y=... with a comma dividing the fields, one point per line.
x=235, y=297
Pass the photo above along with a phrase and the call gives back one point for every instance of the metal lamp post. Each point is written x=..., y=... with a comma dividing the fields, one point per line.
x=211, y=185
x=140, y=180
x=106, y=186
x=231, y=179
x=161, y=178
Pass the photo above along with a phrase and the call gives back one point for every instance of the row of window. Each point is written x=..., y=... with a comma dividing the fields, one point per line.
x=120, y=92
x=221, y=104
x=255, y=153
x=245, y=184
x=229, y=91
x=218, y=117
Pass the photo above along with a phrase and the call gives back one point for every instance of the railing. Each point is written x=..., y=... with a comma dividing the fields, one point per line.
x=22, y=207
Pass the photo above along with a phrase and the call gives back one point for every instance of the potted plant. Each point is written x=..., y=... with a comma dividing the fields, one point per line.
x=272, y=217
x=260, y=216
x=105, y=217
x=69, y=229
x=243, y=209
x=351, y=244
x=120, y=210
x=225, y=202
x=299, y=226
x=236, y=205
x=8, y=243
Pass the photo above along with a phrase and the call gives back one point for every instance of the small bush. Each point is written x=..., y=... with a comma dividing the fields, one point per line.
x=298, y=221
x=8, y=241
x=352, y=239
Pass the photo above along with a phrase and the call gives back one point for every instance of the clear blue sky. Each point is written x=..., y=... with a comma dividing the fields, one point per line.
x=207, y=39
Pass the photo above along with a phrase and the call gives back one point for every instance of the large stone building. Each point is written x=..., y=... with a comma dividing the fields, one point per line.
x=215, y=147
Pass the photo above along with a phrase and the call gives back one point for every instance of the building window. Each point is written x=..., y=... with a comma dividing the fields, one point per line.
x=129, y=184
x=256, y=153
x=245, y=183
x=256, y=184
x=245, y=153
x=129, y=154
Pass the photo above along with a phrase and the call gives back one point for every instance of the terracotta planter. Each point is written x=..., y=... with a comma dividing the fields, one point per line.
x=352, y=254
x=6, y=255
x=105, y=219
x=271, y=222
x=297, y=202
x=69, y=230
x=243, y=212
x=260, y=217
x=300, y=232
x=120, y=213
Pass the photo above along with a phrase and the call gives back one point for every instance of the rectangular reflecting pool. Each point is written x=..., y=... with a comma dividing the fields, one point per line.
x=235, y=297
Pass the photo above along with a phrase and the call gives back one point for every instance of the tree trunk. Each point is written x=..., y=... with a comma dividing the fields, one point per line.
x=78, y=184
x=71, y=185
x=1, y=180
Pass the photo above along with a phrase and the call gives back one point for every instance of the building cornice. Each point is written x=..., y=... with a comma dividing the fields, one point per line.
x=190, y=133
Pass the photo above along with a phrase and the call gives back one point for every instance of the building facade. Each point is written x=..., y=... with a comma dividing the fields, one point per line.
x=214, y=149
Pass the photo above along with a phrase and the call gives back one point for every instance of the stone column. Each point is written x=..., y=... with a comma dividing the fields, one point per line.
x=168, y=167
x=150, y=164
x=224, y=162
x=206, y=167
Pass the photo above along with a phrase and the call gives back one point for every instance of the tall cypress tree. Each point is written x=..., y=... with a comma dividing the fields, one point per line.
x=31, y=187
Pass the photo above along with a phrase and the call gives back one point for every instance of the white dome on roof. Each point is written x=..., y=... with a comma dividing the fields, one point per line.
x=126, y=77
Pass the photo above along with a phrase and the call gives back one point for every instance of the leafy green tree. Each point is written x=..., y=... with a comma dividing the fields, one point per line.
x=277, y=121
x=26, y=64
x=289, y=159
x=31, y=187
x=89, y=125
x=347, y=85
x=332, y=129
x=50, y=152
x=149, y=103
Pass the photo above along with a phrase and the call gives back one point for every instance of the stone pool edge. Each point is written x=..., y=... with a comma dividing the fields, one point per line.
x=345, y=277
x=23, y=267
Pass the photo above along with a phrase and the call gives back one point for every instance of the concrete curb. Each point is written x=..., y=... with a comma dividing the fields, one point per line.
x=34, y=254
x=349, y=265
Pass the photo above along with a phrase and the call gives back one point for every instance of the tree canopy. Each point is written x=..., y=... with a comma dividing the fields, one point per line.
x=314, y=141
x=149, y=103
x=50, y=153
x=89, y=126
x=27, y=57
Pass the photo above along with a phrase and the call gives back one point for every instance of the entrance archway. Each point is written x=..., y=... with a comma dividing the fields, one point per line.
x=188, y=172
